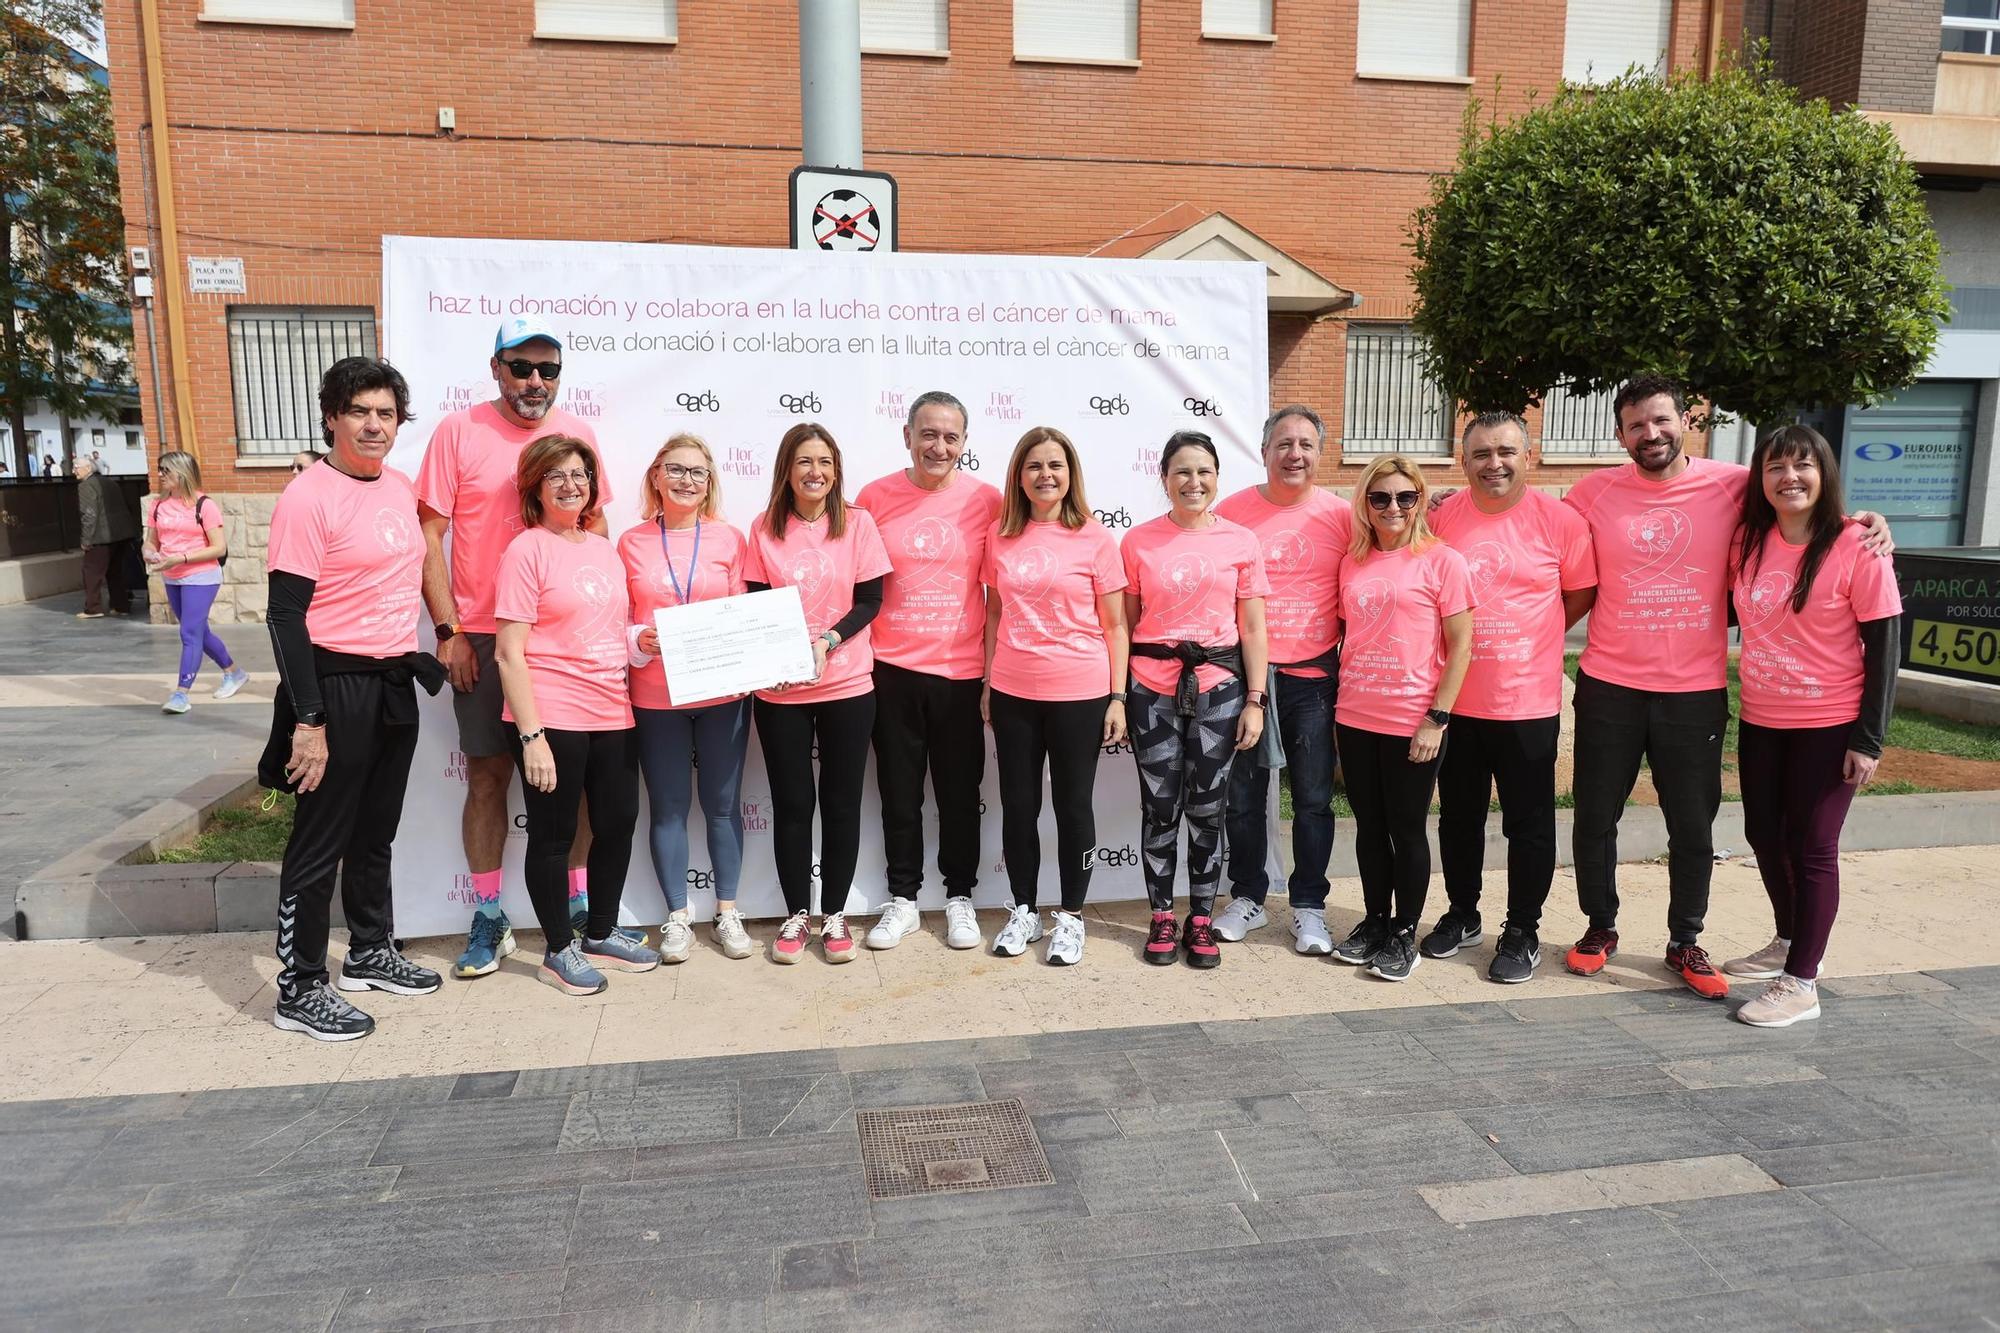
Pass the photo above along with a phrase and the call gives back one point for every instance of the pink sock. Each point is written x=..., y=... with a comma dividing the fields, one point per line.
x=579, y=890
x=486, y=888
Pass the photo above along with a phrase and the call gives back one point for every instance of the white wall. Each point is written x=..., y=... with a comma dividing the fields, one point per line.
x=120, y=458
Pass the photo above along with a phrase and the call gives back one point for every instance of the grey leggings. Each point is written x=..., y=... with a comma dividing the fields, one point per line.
x=1184, y=774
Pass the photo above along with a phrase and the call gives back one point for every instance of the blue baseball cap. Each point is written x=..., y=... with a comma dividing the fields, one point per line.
x=523, y=329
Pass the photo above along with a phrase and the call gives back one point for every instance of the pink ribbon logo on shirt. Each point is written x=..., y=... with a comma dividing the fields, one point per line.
x=1769, y=598
x=394, y=530
x=1287, y=552
x=1030, y=573
x=1187, y=580
x=812, y=574
x=1661, y=537
x=592, y=587
x=1489, y=565
x=1369, y=603
x=930, y=544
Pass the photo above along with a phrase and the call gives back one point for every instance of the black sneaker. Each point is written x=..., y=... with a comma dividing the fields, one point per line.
x=1397, y=957
x=1516, y=957
x=382, y=968
x=1455, y=930
x=1360, y=946
x=321, y=1015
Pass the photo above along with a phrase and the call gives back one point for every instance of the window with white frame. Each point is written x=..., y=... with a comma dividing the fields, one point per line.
x=1425, y=39
x=922, y=27
x=312, y=13
x=1604, y=38
x=1088, y=31
x=608, y=20
x=277, y=355
x=1579, y=425
x=1391, y=405
x=1971, y=27
x=1236, y=18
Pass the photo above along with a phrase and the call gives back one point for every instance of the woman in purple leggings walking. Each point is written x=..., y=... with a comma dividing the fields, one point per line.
x=185, y=546
x=1821, y=620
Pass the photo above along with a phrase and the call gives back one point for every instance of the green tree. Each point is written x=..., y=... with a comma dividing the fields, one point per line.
x=65, y=322
x=1767, y=251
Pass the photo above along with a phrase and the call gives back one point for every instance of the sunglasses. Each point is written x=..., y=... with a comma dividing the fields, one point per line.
x=1379, y=500
x=520, y=370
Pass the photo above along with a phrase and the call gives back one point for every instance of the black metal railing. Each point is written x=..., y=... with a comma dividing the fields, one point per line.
x=1391, y=405
x=276, y=358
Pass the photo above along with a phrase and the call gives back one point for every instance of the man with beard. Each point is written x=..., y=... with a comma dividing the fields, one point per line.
x=466, y=485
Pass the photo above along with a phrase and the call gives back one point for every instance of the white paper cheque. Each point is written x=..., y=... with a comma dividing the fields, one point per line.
x=733, y=645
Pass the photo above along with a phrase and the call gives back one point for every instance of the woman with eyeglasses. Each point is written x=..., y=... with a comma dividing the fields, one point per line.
x=561, y=608
x=809, y=538
x=185, y=543
x=682, y=551
x=1194, y=597
x=1406, y=613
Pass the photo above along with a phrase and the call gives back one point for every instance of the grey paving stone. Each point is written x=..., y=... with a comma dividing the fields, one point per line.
x=1835, y=1061
x=1791, y=1115
x=81, y=1206
x=1947, y=1218
x=669, y=1279
x=562, y=1082
x=805, y=1104
x=1955, y=1101
x=1533, y=1323
x=1344, y=1213
x=264, y=1197
x=98, y=1268
x=1605, y=1003
x=912, y=1055
x=1964, y=977
x=1382, y=1060
x=412, y=1240
x=90, y=1112
x=1948, y=1296
x=1278, y=1162
x=502, y=1128
x=431, y=1302
x=979, y=1209
x=1074, y=1126
x=352, y=1137
x=725, y=1315
x=304, y=1312
x=976, y=1255
x=1769, y=1310
x=1872, y=1159
x=1160, y=1038
x=474, y=1087
x=796, y=1152
x=1750, y=1069
x=247, y=1101
x=40, y=1162
x=1559, y=1137
x=1423, y=1017
x=1495, y=1048
x=1224, y=1113
x=477, y=1174
x=1782, y=1236
x=917, y=1085
x=1895, y=1020
x=1131, y=1175
x=1424, y=1149
x=1518, y=1087
x=649, y=1116
x=814, y=1267
x=1285, y=1027
x=1227, y=1071
x=409, y=1090
x=704, y=1215
x=763, y=1064
x=157, y=1152
x=1097, y=1083
x=1673, y=1036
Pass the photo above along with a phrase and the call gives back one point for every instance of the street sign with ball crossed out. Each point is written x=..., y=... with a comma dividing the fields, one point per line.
x=837, y=209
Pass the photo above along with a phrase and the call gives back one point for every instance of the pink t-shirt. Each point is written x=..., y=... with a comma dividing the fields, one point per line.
x=1050, y=643
x=1302, y=546
x=933, y=618
x=175, y=532
x=468, y=476
x=573, y=593
x=718, y=574
x=1660, y=622
x=1520, y=564
x=1803, y=669
x=1188, y=583
x=360, y=543
x=825, y=572
x=1392, y=657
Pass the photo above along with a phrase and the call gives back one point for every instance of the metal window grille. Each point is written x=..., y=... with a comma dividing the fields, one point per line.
x=1392, y=406
x=1579, y=425
x=276, y=358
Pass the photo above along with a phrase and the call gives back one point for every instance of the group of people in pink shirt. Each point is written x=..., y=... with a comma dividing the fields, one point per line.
x=1416, y=648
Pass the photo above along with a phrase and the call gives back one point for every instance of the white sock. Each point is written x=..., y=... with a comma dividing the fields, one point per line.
x=1810, y=983
x=1783, y=943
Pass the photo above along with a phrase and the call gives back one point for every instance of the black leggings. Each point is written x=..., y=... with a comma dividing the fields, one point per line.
x=1392, y=804
x=1184, y=774
x=603, y=765
x=1066, y=736
x=838, y=730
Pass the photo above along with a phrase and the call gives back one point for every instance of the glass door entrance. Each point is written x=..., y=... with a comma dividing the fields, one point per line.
x=1910, y=460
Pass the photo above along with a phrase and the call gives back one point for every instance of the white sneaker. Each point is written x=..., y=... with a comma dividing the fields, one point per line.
x=961, y=924
x=1024, y=927
x=730, y=935
x=899, y=918
x=233, y=680
x=1065, y=940
x=1766, y=963
x=1238, y=919
x=676, y=937
x=1784, y=1002
x=1309, y=931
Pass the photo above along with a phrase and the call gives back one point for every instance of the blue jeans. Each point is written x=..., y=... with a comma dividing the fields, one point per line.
x=1305, y=725
x=681, y=750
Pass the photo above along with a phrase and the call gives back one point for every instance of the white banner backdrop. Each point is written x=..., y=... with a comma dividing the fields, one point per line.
x=735, y=345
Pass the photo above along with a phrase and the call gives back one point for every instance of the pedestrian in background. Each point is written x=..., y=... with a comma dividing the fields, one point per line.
x=108, y=529
x=185, y=545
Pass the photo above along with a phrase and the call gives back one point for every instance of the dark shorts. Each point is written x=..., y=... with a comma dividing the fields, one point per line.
x=481, y=733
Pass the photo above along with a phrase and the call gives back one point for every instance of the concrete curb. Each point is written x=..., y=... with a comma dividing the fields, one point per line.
x=95, y=891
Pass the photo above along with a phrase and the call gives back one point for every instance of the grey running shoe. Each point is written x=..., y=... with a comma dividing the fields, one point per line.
x=1516, y=957
x=1022, y=928
x=1366, y=938
x=322, y=1015
x=1238, y=919
x=1397, y=957
x=1454, y=931
x=677, y=937
x=1309, y=931
x=569, y=973
x=382, y=968
x=621, y=951
x=730, y=935
x=1065, y=940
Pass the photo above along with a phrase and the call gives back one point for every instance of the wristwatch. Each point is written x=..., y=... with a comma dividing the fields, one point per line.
x=315, y=718
x=445, y=629
x=1254, y=699
x=1118, y=696
x=1438, y=717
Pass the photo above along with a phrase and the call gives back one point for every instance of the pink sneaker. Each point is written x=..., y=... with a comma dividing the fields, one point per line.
x=835, y=941
x=790, y=945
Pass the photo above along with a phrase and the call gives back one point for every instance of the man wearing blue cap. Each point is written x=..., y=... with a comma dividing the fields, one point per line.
x=466, y=485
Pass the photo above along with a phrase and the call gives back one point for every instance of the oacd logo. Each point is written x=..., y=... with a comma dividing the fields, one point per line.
x=1878, y=451
x=1118, y=747
x=967, y=461
x=1114, y=406
x=1005, y=404
x=1201, y=407
x=799, y=404
x=700, y=879
x=892, y=403
x=1127, y=855
x=705, y=401
x=517, y=827
x=1113, y=518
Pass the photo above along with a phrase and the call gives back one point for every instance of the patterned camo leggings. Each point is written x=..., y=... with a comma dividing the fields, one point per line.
x=1184, y=773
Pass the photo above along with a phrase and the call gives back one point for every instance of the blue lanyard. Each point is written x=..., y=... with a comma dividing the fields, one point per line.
x=694, y=560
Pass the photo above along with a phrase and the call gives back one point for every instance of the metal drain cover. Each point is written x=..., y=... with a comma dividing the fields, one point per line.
x=950, y=1149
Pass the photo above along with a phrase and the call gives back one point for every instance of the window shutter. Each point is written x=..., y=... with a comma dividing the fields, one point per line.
x=1237, y=18
x=612, y=20
x=1604, y=37
x=1077, y=29
x=281, y=11
x=905, y=25
x=1424, y=37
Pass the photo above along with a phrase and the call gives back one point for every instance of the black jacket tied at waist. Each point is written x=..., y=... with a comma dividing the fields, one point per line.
x=1190, y=656
x=399, y=700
